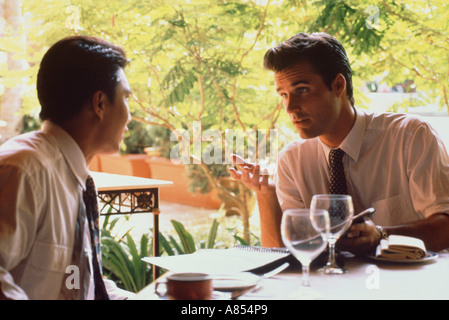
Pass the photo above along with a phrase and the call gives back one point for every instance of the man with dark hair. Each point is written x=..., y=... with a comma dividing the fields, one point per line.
x=48, y=224
x=395, y=163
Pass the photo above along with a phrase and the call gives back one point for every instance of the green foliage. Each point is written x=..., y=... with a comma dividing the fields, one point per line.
x=30, y=123
x=407, y=42
x=212, y=236
x=199, y=179
x=126, y=264
x=203, y=60
x=242, y=241
x=348, y=20
x=122, y=261
x=137, y=138
x=187, y=243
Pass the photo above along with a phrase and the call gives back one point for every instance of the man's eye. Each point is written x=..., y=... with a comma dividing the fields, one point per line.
x=302, y=89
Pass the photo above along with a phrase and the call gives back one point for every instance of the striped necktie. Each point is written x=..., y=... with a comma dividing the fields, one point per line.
x=91, y=202
x=337, y=179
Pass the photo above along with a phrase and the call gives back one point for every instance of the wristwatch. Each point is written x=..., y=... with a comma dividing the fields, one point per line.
x=383, y=233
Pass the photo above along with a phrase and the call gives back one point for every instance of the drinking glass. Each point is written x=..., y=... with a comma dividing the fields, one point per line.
x=341, y=211
x=305, y=233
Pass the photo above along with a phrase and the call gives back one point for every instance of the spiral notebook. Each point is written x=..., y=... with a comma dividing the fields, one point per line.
x=218, y=261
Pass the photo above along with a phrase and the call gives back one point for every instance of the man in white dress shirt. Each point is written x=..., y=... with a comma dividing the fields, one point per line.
x=392, y=162
x=83, y=92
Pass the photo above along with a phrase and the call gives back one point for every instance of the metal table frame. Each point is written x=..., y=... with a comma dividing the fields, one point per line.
x=121, y=194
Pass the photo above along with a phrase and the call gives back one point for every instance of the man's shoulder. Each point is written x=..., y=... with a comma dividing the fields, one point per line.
x=390, y=120
x=30, y=149
x=299, y=145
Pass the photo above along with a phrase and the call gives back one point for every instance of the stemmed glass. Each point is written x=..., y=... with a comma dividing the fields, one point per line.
x=305, y=233
x=341, y=211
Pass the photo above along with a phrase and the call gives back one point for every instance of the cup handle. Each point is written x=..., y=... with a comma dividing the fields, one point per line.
x=164, y=283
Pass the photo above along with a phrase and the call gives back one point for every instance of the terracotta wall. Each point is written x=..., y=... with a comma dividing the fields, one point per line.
x=130, y=165
x=141, y=165
x=164, y=169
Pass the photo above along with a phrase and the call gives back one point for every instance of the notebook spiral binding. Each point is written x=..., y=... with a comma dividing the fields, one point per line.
x=261, y=249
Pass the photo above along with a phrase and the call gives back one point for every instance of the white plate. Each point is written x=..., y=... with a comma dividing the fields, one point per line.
x=216, y=295
x=235, y=281
x=430, y=256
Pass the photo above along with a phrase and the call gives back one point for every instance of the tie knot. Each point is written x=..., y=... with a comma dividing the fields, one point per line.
x=335, y=156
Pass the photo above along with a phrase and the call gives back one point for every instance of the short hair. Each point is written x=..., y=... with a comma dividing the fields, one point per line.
x=324, y=53
x=72, y=70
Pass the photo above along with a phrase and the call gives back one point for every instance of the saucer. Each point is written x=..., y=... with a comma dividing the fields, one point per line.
x=235, y=281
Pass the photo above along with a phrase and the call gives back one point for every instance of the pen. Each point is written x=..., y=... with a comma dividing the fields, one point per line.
x=357, y=218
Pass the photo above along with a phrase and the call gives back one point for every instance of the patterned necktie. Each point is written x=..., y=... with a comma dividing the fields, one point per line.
x=90, y=200
x=337, y=179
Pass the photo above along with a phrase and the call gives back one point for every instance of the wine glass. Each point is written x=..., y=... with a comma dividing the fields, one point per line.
x=305, y=233
x=341, y=211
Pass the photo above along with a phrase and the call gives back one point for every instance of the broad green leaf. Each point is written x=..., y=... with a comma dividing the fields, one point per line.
x=184, y=236
x=212, y=234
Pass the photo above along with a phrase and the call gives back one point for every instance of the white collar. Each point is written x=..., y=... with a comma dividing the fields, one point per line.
x=70, y=150
x=352, y=143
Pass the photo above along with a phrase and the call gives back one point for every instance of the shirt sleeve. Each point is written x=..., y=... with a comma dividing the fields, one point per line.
x=18, y=224
x=428, y=171
x=9, y=288
x=286, y=188
x=115, y=293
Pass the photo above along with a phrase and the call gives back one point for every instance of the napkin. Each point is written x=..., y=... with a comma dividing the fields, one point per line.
x=398, y=247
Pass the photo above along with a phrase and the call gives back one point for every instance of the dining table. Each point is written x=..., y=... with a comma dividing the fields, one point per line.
x=366, y=278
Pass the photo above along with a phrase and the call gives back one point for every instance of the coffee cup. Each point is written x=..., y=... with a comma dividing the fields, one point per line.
x=186, y=286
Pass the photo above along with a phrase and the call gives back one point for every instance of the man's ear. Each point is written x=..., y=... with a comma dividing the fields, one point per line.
x=339, y=85
x=99, y=101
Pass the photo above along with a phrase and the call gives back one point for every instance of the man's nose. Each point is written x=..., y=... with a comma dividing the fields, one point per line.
x=291, y=104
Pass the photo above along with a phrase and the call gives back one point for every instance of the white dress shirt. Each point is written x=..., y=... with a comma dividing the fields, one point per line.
x=394, y=163
x=42, y=177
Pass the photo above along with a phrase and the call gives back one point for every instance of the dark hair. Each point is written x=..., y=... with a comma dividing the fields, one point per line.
x=72, y=70
x=324, y=53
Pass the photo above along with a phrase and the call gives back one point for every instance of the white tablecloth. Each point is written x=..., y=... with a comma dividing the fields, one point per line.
x=367, y=279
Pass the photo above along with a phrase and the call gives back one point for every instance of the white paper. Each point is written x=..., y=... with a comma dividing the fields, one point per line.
x=216, y=261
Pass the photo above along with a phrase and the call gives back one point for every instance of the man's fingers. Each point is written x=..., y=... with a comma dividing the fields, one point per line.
x=249, y=174
x=256, y=177
x=366, y=226
x=265, y=178
x=240, y=162
x=237, y=159
x=234, y=174
x=245, y=175
x=252, y=178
